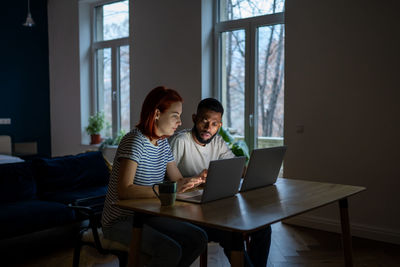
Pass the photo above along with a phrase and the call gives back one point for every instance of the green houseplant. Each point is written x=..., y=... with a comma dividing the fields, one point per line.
x=96, y=124
x=112, y=141
x=239, y=147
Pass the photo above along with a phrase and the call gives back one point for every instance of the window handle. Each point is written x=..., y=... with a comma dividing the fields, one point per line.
x=114, y=95
x=251, y=120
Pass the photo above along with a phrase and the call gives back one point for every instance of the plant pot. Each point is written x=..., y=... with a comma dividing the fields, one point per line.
x=95, y=139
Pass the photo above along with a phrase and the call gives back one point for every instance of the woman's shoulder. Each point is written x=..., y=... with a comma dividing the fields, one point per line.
x=135, y=134
x=134, y=137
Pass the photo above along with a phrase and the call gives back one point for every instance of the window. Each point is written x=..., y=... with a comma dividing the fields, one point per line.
x=250, y=69
x=110, y=53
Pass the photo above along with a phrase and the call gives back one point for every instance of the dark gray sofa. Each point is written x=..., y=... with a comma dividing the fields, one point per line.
x=34, y=195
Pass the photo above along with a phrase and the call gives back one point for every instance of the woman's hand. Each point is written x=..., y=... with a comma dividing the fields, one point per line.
x=185, y=184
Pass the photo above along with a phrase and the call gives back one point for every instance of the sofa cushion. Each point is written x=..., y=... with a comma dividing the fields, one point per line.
x=70, y=197
x=70, y=173
x=24, y=217
x=16, y=182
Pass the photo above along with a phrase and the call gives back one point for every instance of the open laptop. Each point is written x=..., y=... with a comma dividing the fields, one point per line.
x=263, y=168
x=223, y=180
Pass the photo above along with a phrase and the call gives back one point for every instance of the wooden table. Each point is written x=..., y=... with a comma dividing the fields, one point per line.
x=249, y=211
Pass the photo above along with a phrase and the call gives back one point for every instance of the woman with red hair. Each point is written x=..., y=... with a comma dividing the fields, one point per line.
x=144, y=158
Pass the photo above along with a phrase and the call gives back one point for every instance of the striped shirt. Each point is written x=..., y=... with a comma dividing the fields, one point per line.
x=152, y=163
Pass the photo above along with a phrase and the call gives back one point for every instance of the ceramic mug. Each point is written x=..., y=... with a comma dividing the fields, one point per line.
x=166, y=192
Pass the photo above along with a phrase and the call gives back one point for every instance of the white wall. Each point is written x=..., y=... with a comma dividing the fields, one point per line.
x=65, y=111
x=342, y=85
x=167, y=50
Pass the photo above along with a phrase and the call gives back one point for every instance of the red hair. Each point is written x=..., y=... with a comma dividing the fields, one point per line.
x=160, y=98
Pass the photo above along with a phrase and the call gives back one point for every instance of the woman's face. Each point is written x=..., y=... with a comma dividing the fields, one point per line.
x=169, y=120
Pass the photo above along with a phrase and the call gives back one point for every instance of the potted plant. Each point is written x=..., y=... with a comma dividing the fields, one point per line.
x=239, y=147
x=112, y=141
x=96, y=124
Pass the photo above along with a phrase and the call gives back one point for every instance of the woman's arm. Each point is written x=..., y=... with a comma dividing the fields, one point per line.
x=184, y=184
x=126, y=188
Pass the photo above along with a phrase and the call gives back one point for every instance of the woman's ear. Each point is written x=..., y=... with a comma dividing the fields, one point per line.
x=157, y=114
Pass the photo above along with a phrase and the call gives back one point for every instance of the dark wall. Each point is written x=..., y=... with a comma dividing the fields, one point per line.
x=24, y=74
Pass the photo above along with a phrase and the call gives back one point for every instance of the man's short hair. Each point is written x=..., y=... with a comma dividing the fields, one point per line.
x=210, y=104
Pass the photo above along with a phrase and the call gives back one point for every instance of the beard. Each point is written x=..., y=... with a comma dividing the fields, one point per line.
x=198, y=137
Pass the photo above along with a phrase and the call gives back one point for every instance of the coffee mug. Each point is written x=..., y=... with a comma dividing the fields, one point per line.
x=166, y=192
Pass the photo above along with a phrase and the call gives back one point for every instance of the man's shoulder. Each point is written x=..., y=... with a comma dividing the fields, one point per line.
x=181, y=135
x=218, y=140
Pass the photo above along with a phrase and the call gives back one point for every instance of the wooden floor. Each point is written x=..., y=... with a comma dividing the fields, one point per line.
x=291, y=246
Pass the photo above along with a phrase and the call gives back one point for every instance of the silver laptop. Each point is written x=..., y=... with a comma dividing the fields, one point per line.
x=223, y=180
x=263, y=168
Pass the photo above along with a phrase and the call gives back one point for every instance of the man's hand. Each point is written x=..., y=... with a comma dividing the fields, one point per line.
x=203, y=175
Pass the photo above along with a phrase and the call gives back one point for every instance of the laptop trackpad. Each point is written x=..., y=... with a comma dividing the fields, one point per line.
x=191, y=194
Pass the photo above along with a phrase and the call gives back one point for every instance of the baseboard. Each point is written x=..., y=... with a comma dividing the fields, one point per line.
x=358, y=230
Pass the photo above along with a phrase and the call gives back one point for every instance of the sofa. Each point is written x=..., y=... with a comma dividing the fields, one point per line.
x=34, y=195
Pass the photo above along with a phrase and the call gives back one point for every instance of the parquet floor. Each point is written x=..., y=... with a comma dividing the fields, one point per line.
x=291, y=247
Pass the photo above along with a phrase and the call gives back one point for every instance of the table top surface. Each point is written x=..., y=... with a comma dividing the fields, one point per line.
x=251, y=210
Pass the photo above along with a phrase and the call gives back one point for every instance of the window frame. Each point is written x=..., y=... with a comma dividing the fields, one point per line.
x=114, y=45
x=250, y=26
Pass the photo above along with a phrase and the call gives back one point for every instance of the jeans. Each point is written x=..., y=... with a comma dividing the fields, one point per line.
x=260, y=242
x=168, y=242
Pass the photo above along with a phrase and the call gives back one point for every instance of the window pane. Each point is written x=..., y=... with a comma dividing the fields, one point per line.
x=103, y=63
x=112, y=21
x=124, y=86
x=232, y=80
x=270, y=84
x=240, y=9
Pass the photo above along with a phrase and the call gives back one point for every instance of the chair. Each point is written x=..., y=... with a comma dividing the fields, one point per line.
x=91, y=235
x=5, y=145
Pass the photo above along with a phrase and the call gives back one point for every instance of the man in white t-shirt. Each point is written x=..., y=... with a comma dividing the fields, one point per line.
x=193, y=149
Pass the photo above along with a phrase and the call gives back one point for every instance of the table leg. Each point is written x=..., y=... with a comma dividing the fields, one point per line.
x=204, y=258
x=237, y=253
x=346, y=235
x=134, y=249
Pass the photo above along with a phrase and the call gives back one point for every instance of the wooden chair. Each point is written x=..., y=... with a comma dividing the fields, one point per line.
x=92, y=235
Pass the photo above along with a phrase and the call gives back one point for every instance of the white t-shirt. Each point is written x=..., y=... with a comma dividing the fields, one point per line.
x=191, y=158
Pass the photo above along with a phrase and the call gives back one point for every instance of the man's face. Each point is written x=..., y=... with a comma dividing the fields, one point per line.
x=206, y=125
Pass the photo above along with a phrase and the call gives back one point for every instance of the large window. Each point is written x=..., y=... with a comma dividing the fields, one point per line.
x=250, y=69
x=110, y=53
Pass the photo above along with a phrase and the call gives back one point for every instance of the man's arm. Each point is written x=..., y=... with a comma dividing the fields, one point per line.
x=177, y=148
x=224, y=151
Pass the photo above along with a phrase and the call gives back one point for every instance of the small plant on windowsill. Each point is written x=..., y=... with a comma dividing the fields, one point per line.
x=112, y=141
x=96, y=124
x=239, y=147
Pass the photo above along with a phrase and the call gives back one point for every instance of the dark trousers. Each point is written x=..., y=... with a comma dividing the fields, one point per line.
x=258, y=250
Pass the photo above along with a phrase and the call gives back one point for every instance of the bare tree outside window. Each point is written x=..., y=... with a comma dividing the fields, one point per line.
x=125, y=88
x=268, y=69
x=111, y=32
x=270, y=81
x=104, y=90
x=112, y=21
x=233, y=87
